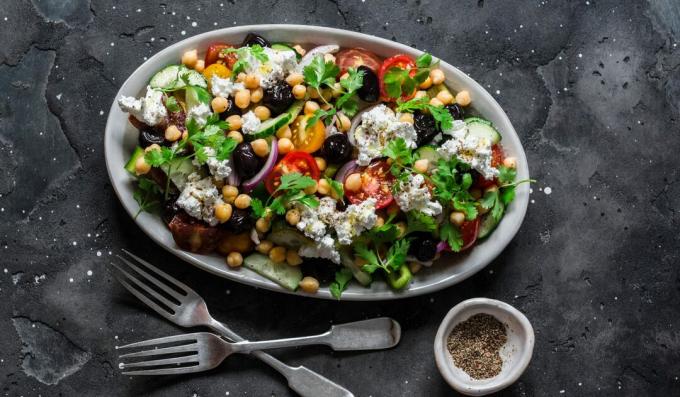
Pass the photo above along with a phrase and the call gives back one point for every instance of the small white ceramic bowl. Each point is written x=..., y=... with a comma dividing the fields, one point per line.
x=516, y=353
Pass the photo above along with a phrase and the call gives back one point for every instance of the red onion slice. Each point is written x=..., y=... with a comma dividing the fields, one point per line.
x=345, y=170
x=443, y=246
x=266, y=169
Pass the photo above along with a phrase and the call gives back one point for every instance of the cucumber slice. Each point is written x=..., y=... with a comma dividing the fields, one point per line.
x=488, y=223
x=286, y=47
x=482, y=129
x=361, y=276
x=180, y=169
x=281, y=273
x=130, y=165
x=171, y=77
x=287, y=237
x=436, y=89
x=428, y=152
x=196, y=96
x=400, y=278
x=269, y=127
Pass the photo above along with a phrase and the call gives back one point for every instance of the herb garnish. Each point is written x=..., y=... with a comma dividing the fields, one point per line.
x=452, y=235
x=147, y=195
x=394, y=258
x=442, y=117
x=290, y=190
x=342, y=278
x=242, y=64
x=398, y=80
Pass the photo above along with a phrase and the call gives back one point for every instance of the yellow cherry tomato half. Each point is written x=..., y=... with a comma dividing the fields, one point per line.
x=216, y=69
x=308, y=139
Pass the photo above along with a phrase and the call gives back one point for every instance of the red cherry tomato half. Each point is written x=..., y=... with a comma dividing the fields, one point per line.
x=401, y=62
x=355, y=57
x=214, y=54
x=469, y=230
x=295, y=161
x=497, y=157
x=376, y=182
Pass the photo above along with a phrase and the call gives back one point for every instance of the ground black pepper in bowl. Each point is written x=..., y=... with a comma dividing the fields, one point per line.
x=475, y=345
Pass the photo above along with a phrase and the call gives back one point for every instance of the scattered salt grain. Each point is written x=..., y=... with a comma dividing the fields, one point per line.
x=547, y=190
x=89, y=272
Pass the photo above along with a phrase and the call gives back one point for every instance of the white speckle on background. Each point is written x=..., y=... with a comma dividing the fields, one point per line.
x=99, y=253
x=194, y=24
x=183, y=32
x=59, y=96
x=101, y=112
x=75, y=243
x=70, y=280
x=547, y=190
x=89, y=272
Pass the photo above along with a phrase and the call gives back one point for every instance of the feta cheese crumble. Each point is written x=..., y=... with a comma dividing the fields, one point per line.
x=149, y=109
x=415, y=195
x=354, y=220
x=378, y=127
x=469, y=149
x=200, y=114
x=220, y=169
x=199, y=198
x=277, y=66
x=251, y=123
x=224, y=87
x=324, y=248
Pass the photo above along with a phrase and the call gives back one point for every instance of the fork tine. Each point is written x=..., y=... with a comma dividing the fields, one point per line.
x=165, y=361
x=155, y=281
x=145, y=287
x=167, y=371
x=155, y=306
x=165, y=350
x=168, y=339
x=168, y=277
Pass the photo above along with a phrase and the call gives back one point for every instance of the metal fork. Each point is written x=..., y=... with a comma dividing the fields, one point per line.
x=190, y=310
x=202, y=351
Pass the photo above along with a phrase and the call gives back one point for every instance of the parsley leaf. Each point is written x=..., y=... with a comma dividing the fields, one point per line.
x=336, y=186
x=492, y=201
x=258, y=207
x=441, y=115
x=172, y=105
x=295, y=181
x=147, y=195
x=242, y=63
x=463, y=201
x=342, y=278
x=419, y=222
x=290, y=190
x=402, y=157
x=452, y=235
x=396, y=255
x=385, y=233
x=319, y=114
x=506, y=174
x=394, y=258
x=156, y=158
x=373, y=262
x=319, y=73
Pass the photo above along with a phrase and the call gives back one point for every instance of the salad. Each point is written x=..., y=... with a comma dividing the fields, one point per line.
x=316, y=165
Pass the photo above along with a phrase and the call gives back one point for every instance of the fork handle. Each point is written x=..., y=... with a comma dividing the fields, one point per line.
x=302, y=380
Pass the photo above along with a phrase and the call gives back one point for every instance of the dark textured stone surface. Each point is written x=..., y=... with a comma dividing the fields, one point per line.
x=591, y=86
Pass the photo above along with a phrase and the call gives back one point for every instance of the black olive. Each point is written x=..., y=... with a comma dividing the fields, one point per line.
x=425, y=126
x=240, y=221
x=455, y=110
x=423, y=247
x=369, y=91
x=148, y=137
x=252, y=39
x=170, y=208
x=246, y=162
x=336, y=148
x=321, y=269
x=278, y=97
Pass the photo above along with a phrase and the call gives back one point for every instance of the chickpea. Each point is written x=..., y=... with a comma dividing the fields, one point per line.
x=379, y=221
x=141, y=166
x=309, y=284
x=406, y=118
x=153, y=146
x=314, y=93
x=427, y=83
x=229, y=193
x=235, y=135
x=190, y=58
x=463, y=98
x=420, y=94
x=219, y=104
x=223, y=212
x=342, y=122
x=481, y=210
x=278, y=254
x=344, y=76
x=235, y=122
x=414, y=267
x=457, y=218
x=437, y=76
x=242, y=201
x=298, y=48
x=262, y=112
x=311, y=189
x=326, y=106
x=293, y=217
x=299, y=91
x=510, y=162
x=393, y=209
x=262, y=225
x=327, y=94
x=337, y=90
x=359, y=261
x=284, y=132
x=234, y=259
x=294, y=79
x=252, y=81
x=292, y=258
x=329, y=58
x=436, y=102
x=401, y=227
x=421, y=165
x=445, y=97
x=264, y=247
x=353, y=182
x=285, y=145
x=260, y=147
x=185, y=135
x=311, y=107
x=242, y=99
x=324, y=187
x=200, y=66
x=492, y=188
x=241, y=77
x=321, y=163
x=256, y=95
